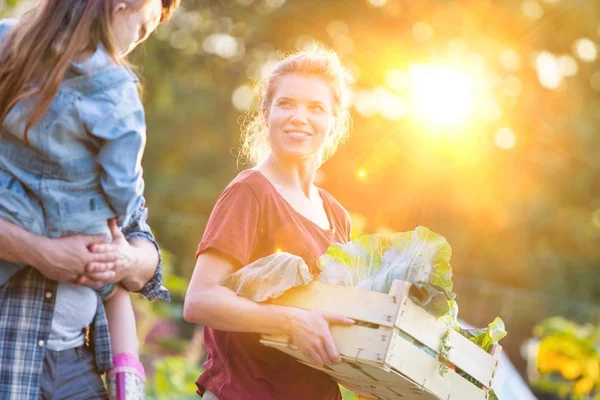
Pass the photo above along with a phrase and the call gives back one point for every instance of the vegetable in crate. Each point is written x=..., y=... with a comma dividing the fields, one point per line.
x=373, y=262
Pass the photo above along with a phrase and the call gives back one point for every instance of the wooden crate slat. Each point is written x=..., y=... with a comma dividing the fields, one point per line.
x=374, y=389
x=463, y=353
x=362, y=392
x=348, y=371
x=355, y=341
x=417, y=365
x=394, y=381
x=361, y=305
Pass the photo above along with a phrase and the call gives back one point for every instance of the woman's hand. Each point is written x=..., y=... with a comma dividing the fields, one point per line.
x=311, y=334
x=65, y=259
x=112, y=260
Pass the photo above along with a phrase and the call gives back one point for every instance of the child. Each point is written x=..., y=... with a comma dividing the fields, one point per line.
x=71, y=140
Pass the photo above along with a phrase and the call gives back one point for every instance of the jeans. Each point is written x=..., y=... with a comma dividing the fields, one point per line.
x=71, y=375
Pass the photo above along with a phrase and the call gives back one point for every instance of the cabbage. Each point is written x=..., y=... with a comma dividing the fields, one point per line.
x=373, y=262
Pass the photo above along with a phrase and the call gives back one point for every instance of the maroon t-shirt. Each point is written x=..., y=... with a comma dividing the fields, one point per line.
x=252, y=220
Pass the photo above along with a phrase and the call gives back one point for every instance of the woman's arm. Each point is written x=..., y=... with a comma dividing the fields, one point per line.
x=210, y=304
x=61, y=260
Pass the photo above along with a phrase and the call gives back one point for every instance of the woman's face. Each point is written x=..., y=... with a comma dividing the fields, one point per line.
x=131, y=27
x=301, y=116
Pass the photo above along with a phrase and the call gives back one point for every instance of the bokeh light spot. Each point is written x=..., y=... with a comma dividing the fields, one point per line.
x=595, y=81
x=548, y=70
x=567, y=65
x=510, y=60
x=585, y=50
x=222, y=44
x=505, y=138
x=377, y=3
x=532, y=9
x=242, y=97
x=422, y=31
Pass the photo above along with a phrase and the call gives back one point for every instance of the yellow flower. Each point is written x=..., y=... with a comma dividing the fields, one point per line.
x=583, y=386
x=571, y=369
x=592, y=369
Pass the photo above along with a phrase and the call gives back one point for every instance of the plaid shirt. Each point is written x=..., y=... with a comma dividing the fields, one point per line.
x=26, y=309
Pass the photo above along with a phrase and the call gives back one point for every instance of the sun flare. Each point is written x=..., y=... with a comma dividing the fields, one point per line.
x=440, y=95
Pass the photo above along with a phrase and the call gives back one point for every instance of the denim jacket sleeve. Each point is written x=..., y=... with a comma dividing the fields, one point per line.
x=115, y=117
x=138, y=229
x=5, y=26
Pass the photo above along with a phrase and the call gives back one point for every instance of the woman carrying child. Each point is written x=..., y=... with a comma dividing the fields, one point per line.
x=71, y=142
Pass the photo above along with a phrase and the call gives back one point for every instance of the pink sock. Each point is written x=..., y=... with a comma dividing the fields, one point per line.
x=127, y=365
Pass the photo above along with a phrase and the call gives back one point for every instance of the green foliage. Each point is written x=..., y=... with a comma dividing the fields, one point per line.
x=348, y=395
x=173, y=379
x=443, y=352
x=487, y=337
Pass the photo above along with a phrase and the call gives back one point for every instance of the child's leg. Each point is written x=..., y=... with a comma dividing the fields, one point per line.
x=121, y=322
x=127, y=378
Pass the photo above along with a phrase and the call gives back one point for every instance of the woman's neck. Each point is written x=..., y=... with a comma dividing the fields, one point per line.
x=291, y=174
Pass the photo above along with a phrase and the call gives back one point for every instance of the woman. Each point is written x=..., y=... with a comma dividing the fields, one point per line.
x=272, y=207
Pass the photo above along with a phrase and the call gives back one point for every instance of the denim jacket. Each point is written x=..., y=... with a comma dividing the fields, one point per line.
x=82, y=164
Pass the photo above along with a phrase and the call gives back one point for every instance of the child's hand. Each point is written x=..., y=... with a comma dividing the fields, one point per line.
x=118, y=255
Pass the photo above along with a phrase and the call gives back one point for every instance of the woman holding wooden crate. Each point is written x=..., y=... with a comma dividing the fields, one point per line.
x=273, y=207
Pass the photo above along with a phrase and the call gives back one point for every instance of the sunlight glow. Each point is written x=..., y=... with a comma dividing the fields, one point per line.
x=362, y=174
x=440, y=95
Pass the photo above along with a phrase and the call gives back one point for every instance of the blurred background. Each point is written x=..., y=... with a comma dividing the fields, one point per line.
x=478, y=119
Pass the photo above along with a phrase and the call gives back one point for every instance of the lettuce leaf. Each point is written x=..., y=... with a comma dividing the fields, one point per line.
x=486, y=337
x=373, y=262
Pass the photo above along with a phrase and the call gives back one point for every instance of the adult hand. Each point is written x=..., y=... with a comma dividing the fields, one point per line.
x=310, y=333
x=112, y=259
x=64, y=259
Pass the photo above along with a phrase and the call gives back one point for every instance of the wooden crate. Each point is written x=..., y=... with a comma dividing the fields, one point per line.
x=378, y=361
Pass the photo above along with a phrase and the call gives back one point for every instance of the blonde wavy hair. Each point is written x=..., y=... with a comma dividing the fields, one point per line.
x=318, y=61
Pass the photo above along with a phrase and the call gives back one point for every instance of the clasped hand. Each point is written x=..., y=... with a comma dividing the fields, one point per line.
x=86, y=259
